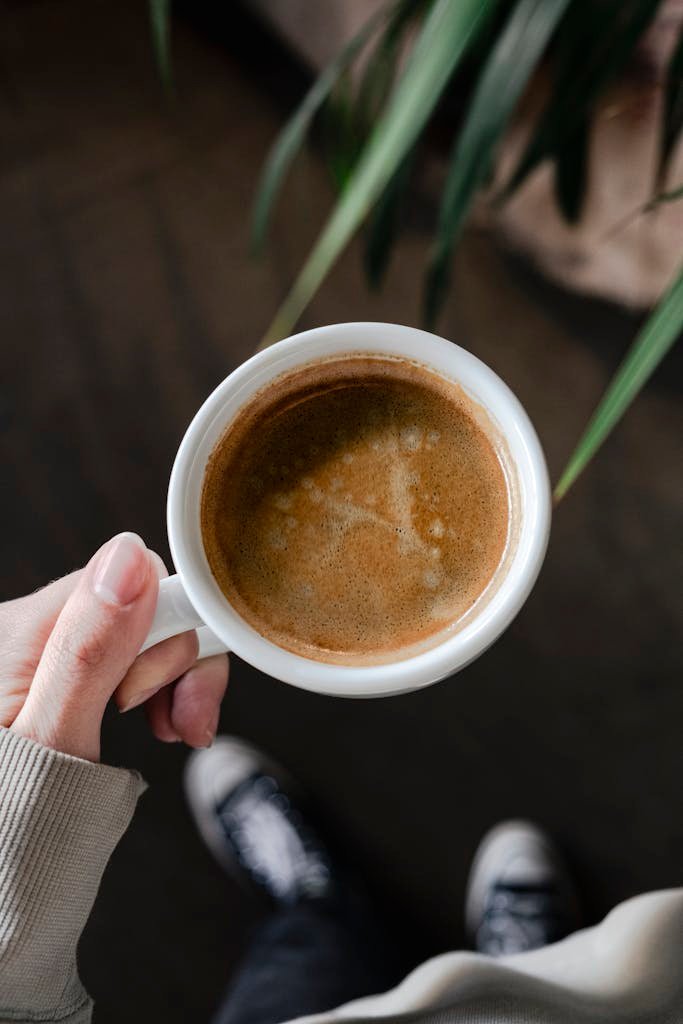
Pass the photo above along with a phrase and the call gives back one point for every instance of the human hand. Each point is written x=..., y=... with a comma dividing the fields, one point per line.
x=66, y=650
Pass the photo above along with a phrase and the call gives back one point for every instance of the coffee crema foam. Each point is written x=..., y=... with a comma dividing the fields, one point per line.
x=356, y=509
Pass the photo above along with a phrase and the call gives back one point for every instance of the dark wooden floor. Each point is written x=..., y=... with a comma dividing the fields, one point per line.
x=126, y=294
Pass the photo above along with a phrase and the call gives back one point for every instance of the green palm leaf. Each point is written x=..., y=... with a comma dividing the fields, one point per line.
x=672, y=124
x=663, y=328
x=340, y=132
x=665, y=197
x=384, y=222
x=571, y=170
x=448, y=30
x=291, y=138
x=596, y=42
x=353, y=111
x=380, y=72
x=506, y=73
x=160, y=27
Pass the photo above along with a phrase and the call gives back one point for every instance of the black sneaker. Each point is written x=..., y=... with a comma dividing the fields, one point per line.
x=519, y=894
x=241, y=803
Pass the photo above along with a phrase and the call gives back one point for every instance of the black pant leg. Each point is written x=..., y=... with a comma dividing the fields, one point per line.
x=309, y=958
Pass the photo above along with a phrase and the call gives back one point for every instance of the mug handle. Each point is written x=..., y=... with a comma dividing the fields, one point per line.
x=175, y=614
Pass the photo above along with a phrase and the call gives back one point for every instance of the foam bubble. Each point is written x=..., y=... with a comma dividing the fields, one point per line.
x=411, y=438
x=401, y=500
x=277, y=540
x=437, y=528
x=283, y=502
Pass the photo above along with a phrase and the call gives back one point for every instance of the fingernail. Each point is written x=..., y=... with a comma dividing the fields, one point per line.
x=159, y=565
x=120, y=573
x=210, y=731
x=139, y=698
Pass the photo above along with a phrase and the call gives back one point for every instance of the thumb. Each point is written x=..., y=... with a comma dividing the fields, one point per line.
x=96, y=638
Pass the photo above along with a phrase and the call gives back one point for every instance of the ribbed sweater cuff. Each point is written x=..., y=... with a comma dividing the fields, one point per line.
x=60, y=819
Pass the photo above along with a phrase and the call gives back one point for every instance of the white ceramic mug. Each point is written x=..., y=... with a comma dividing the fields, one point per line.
x=192, y=598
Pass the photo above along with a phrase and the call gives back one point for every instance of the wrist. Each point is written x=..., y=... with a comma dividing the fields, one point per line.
x=60, y=730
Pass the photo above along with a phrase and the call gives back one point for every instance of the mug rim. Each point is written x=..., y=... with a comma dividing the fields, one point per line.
x=421, y=669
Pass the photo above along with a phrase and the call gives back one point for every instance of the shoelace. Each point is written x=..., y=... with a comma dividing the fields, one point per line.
x=271, y=842
x=521, y=917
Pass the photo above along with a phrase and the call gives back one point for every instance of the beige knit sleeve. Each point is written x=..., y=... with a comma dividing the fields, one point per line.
x=60, y=819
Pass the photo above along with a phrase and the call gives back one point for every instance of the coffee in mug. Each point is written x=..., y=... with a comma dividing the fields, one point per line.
x=358, y=509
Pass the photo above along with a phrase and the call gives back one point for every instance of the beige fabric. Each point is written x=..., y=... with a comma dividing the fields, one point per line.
x=627, y=970
x=60, y=819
